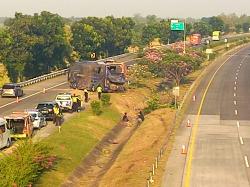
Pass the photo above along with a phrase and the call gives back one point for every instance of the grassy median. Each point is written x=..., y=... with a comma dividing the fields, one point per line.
x=78, y=136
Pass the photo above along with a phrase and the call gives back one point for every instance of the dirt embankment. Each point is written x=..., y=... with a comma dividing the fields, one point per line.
x=132, y=165
x=99, y=161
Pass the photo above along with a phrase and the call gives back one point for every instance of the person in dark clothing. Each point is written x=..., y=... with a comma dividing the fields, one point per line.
x=125, y=117
x=141, y=116
x=86, y=95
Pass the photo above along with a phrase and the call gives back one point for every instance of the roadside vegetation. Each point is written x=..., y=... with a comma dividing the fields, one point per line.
x=46, y=42
x=153, y=77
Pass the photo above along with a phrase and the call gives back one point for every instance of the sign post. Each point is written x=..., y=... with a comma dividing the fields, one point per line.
x=176, y=93
x=179, y=26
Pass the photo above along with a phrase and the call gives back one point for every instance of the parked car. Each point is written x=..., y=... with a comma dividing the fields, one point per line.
x=12, y=90
x=20, y=124
x=46, y=108
x=5, y=139
x=38, y=118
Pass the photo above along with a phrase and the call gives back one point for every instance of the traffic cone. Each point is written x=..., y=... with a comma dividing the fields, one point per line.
x=183, y=149
x=188, y=123
x=17, y=99
x=44, y=90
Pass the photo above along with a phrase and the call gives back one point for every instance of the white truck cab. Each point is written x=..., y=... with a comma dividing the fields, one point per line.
x=64, y=100
x=5, y=139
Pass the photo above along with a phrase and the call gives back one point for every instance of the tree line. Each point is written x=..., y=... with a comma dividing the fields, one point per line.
x=34, y=45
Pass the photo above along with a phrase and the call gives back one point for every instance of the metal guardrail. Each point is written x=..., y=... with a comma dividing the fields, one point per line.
x=43, y=77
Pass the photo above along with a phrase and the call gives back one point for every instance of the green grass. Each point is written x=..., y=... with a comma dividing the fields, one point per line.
x=78, y=137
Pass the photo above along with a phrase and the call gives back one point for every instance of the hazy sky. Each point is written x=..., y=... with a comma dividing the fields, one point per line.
x=161, y=8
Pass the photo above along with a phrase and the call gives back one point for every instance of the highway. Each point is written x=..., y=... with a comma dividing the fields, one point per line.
x=33, y=94
x=219, y=140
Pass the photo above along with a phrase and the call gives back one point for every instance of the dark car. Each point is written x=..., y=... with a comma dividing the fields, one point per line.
x=46, y=108
x=12, y=90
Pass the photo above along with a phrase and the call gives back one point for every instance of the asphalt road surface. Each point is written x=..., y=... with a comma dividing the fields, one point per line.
x=219, y=146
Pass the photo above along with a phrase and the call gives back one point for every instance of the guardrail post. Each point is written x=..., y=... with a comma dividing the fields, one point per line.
x=156, y=163
x=153, y=169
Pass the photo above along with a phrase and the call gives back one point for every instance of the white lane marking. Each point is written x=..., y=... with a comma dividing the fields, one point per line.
x=235, y=88
x=236, y=78
x=235, y=103
x=13, y=102
x=238, y=124
x=234, y=94
x=240, y=64
x=237, y=74
x=236, y=112
x=246, y=161
x=235, y=82
x=241, y=141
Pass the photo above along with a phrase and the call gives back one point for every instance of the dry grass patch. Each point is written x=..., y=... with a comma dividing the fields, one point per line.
x=132, y=165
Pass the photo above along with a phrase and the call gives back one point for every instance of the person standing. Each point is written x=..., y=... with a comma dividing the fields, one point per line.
x=86, y=95
x=75, y=104
x=99, y=91
x=57, y=115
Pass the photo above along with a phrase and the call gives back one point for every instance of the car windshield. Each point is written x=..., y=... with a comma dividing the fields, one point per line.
x=16, y=125
x=63, y=98
x=44, y=105
x=7, y=86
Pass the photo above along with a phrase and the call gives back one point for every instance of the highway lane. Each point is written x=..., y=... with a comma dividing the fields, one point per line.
x=34, y=94
x=218, y=157
x=219, y=147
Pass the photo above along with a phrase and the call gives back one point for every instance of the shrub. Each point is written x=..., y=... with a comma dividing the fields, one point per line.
x=96, y=107
x=105, y=98
x=153, y=104
x=25, y=164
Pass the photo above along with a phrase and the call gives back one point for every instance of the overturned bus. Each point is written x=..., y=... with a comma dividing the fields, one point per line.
x=90, y=74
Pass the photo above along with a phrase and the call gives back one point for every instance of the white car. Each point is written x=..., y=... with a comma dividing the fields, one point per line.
x=38, y=119
x=5, y=139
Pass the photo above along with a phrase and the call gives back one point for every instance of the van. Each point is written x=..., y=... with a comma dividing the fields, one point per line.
x=20, y=124
x=5, y=139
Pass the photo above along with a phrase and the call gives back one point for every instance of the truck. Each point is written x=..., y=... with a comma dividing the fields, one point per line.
x=65, y=101
x=195, y=39
x=216, y=36
x=20, y=124
x=91, y=74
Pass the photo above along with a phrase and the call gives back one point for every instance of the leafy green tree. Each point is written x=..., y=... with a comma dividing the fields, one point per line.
x=202, y=28
x=216, y=23
x=86, y=40
x=51, y=49
x=39, y=45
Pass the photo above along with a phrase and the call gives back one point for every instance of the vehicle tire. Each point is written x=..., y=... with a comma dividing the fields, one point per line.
x=8, y=143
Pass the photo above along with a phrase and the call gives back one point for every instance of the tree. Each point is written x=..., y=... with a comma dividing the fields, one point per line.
x=202, y=28
x=86, y=40
x=39, y=45
x=216, y=23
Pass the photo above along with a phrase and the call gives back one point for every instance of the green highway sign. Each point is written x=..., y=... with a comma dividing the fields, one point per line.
x=179, y=26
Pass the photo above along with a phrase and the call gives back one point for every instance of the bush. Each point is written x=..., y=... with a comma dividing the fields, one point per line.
x=153, y=104
x=96, y=107
x=25, y=164
x=105, y=98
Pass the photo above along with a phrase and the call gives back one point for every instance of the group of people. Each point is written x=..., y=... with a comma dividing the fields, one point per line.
x=57, y=118
x=140, y=117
